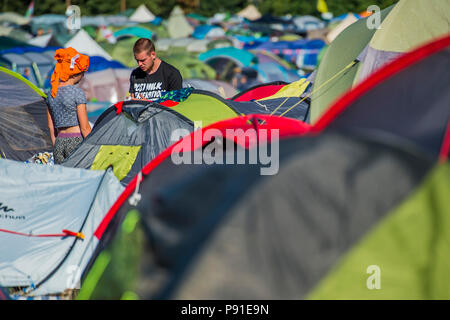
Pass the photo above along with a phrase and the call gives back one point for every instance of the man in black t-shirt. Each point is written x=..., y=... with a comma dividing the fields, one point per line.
x=153, y=77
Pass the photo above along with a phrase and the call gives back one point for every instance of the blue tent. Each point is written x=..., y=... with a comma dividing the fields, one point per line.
x=271, y=71
x=240, y=57
x=301, y=52
x=201, y=31
x=38, y=61
x=133, y=32
x=97, y=63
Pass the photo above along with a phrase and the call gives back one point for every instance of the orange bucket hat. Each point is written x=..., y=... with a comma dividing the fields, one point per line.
x=70, y=62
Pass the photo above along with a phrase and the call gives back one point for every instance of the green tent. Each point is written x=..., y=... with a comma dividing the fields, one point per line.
x=8, y=42
x=190, y=67
x=122, y=51
x=177, y=24
x=133, y=32
x=199, y=107
x=339, y=54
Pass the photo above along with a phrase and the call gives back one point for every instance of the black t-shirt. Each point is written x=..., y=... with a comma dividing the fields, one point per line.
x=152, y=86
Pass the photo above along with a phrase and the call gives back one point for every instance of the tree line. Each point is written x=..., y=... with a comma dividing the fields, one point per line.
x=207, y=8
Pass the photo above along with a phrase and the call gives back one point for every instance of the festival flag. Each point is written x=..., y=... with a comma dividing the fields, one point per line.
x=30, y=10
x=322, y=6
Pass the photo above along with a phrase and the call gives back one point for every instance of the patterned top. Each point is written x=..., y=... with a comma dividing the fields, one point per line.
x=64, y=106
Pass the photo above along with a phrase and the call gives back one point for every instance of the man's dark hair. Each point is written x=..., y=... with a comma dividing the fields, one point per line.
x=143, y=44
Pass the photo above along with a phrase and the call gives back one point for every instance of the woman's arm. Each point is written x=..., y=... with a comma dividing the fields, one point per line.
x=83, y=120
x=51, y=127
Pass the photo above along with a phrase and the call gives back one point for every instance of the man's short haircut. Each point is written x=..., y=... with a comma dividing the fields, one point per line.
x=143, y=44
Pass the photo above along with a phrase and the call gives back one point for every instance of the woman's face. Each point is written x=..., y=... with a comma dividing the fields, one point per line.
x=78, y=77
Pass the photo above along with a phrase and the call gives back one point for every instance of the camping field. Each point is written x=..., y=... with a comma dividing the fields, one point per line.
x=203, y=151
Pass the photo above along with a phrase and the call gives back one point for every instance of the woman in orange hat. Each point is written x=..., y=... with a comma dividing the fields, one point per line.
x=67, y=103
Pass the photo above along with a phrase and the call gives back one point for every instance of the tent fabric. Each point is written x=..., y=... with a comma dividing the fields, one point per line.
x=200, y=104
x=302, y=52
x=15, y=33
x=340, y=53
x=341, y=27
x=223, y=89
x=259, y=91
x=13, y=17
x=382, y=46
x=385, y=46
x=83, y=43
x=190, y=67
x=206, y=107
x=250, y=13
x=265, y=56
x=182, y=44
x=383, y=110
x=142, y=14
x=23, y=118
x=305, y=23
x=40, y=264
x=98, y=63
x=108, y=85
x=44, y=41
x=291, y=107
x=122, y=52
x=7, y=42
x=239, y=56
x=19, y=62
x=294, y=89
x=238, y=250
x=177, y=24
x=272, y=71
x=208, y=31
x=105, y=281
x=420, y=22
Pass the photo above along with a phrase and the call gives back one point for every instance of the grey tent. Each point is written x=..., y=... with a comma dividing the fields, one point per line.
x=127, y=136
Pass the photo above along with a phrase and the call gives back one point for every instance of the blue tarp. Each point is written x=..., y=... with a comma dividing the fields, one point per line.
x=201, y=31
x=308, y=50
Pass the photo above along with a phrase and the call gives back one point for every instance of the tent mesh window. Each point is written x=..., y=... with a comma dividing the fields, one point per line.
x=20, y=129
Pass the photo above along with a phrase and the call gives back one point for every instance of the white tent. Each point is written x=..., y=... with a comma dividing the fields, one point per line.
x=142, y=15
x=177, y=25
x=83, y=43
x=250, y=13
x=41, y=41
